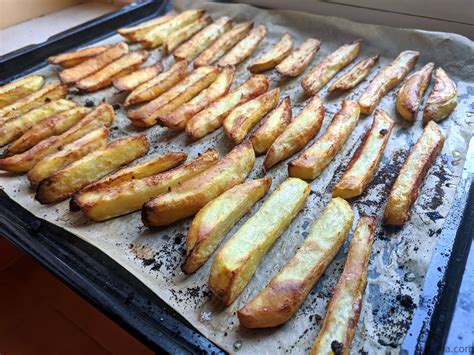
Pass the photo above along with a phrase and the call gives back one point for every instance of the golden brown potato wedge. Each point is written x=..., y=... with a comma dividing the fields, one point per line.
x=344, y=308
x=178, y=118
x=386, y=80
x=442, y=100
x=13, y=128
x=90, y=142
x=21, y=163
x=51, y=126
x=193, y=84
x=17, y=89
x=325, y=70
x=136, y=33
x=94, y=64
x=272, y=126
x=366, y=158
x=285, y=293
x=156, y=36
x=105, y=76
x=299, y=132
x=129, y=196
x=245, y=48
x=90, y=168
x=135, y=79
x=244, y=117
x=158, y=85
x=71, y=59
x=297, y=62
x=412, y=91
x=189, y=197
x=274, y=56
x=211, y=118
x=238, y=259
x=203, y=39
x=225, y=42
x=311, y=163
x=36, y=99
x=354, y=76
x=405, y=189
x=216, y=218
x=175, y=39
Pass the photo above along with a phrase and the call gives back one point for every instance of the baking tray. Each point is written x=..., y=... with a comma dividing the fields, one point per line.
x=127, y=301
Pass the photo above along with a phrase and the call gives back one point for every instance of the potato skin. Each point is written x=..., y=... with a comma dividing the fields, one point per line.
x=272, y=126
x=410, y=94
x=188, y=198
x=244, y=117
x=282, y=297
x=237, y=260
x=297, y=62
x=346, y=302
x=354, y=76
x=245, y=48
x=177, y=38
x=274, y=56
x=386, y=80
x=299, y=132
x=405, y=190
x=217, y=217
x=442, y=100
x=366, y=158
x=316, y=158
x=17, y=89
x=71, y=59
x=136, y=33
x=135, y=79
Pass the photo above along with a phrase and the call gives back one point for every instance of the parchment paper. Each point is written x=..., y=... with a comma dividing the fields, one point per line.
x=400, y=256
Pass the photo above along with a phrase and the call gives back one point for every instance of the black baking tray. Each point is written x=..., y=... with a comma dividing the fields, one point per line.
x=123, y=298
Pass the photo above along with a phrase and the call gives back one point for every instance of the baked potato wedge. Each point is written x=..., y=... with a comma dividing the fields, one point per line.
x=366, y=158
x=17, y=89
x=223, y=44
x=158, y=85
x=193, y=84
x=237, y=260
x=212, y=117
x=285, y=293
x=21, y=163
x=129, y=196
x=71, y=59
x=50, y=126
x=245, y=48
x=189, y=50
x=297, y=62
x=38, y=98
x=49, y=165
x=135, y=79
x=217, y=217
x=442, y=100
x=94, y=64
x=136, y=33
x=105, y=76
x=332, y=64
x=311, y=162
x=13, y=128
x=272, y=126
x=344, y=308
x=156, y=36
x=404, y=191
x=90, y=168
x=244, y=117
x=412, y=91
x=298, y=133
x=355, y=75
x=178, y=118
x=274, y=56
x=189, y=197
x=386, y=80
x=175, y=39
